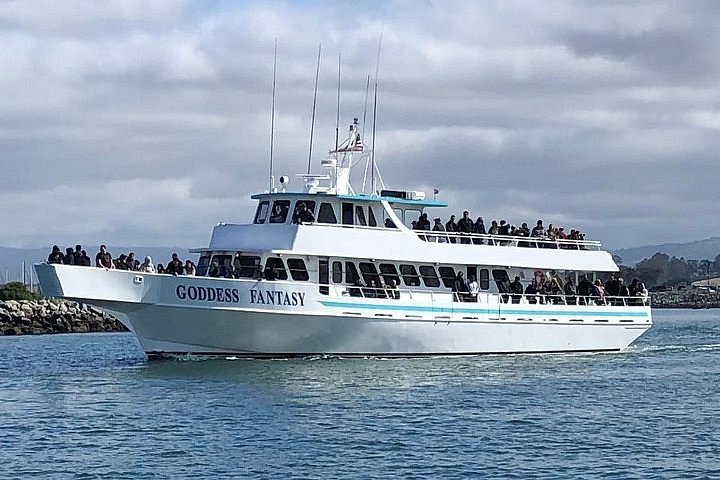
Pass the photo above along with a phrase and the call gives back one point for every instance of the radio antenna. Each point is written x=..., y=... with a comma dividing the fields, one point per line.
x=312, y=121
x=272, y=117
x=337, y=114
x=372, y=153
x=367, y=89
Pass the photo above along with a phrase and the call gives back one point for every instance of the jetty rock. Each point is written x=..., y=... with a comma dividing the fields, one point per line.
x=50, y=315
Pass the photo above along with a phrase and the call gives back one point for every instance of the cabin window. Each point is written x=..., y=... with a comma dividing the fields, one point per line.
x=360, y=216
x=447, y=275
x=389, y=222
x=347, y=214
x=501, y=280
x=326, y=214
x=410, y=276
x=280, y=211
x=246, y=266
x=220, y=265
x=351, y=273
x=276, y=268
x=371, y=217
x=429, y=276
x=389, y=272
x=369, y=273
x=337, y=272
x=411, y=215
x=297, y=269
x=484, y=279
x=262, y=211
x=202, y=266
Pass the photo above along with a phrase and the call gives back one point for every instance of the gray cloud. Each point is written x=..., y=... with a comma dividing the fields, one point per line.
x=148, y=122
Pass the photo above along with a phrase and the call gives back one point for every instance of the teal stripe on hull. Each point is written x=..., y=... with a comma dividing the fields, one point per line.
x=483, y=311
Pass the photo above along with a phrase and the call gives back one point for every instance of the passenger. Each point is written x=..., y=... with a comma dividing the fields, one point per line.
x=473, y=289
x=77, y=255
x=103, y=259
x=523, y=231
x=69, y=258
x=423, y=222
x=213, y=271
x=175, y=267
x=86, y=262
x=279, y=214
x=555, y=291
x=132, y=263
x=493, y=231
x=479, y=229
x=599, y=293
x=504, y=230
x=382, y=288
x=302, y=215
x=584, y=290
x=459, y=288
x=189, y=267
x=270, y=274
x=465, y=226
x=161, y=269
x=612, y=287
x=452, y=228
x=516, y=289
x=413, y=225
x=623, y=292
x=147, y=266
x=570, y=292
x=393, y=291
x=56, y=256
x=371, y=290
x=121, y=262
x=538, y=230
x=504, y=288
x=531, y=291
x=357, y=289
x=438, y=227
x=389, y=223
x=258, y=275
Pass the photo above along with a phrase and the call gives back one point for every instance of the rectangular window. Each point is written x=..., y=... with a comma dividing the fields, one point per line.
x=369, y=273
x=279, y=211
x=262, y=211
x=276, y=268
x=202, y=266
x=326, y=214
x=410, y=276
x=484, y=279
x=371, y=217
x=447, y=275
x=337, y=272
x=389, y=272
x=246, y=266
x=411, y=216
x=223, y=260
x=347, y=214
x=323, y=275
x=297, y=269
x=351, y=273
x=360, y=216
x=429, y=276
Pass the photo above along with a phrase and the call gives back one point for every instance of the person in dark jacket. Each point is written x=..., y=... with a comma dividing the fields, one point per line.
x=302, y=215
x=531, y=292
x=451, y=227
x=423, y=222
x=77, y=255
x=570, y=292
x=516, y=288
x=479, y=229
x=459, y=287
x=175, y=267
x=69, y=258
x=466, y=226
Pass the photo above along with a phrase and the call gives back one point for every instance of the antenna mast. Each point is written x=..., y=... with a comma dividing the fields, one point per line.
x=312, y=122
x=272, y=118
x=372, y=153
x=337, y=114
x=367, y=89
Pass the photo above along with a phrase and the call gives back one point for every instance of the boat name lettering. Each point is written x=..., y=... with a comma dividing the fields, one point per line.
x=273, y=297
x=208, y=294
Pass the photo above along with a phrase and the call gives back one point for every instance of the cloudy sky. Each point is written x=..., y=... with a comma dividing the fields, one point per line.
x=146, y=122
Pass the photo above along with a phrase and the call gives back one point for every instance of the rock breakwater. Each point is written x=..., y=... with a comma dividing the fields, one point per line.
x=53, y=316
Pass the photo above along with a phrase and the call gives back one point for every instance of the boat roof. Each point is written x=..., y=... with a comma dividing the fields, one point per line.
x=356, y=197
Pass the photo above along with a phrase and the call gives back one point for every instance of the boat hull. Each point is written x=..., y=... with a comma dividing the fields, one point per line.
x=167, y=324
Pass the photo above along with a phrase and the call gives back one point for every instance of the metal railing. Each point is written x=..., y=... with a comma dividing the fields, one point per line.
x=505, y=240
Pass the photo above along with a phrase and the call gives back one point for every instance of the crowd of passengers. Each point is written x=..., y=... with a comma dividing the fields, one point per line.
x=104, y=259
x=551, y=289
x=466, y=226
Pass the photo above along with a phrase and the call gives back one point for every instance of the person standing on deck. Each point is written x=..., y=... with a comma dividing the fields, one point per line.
x=451, y=227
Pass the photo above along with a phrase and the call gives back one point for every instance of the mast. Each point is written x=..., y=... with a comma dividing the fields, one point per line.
x=272, y=118
x=337, y=113
x=312, y=122
x=372, y=152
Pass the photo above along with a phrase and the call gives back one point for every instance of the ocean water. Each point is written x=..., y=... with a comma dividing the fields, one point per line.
x=91, y=406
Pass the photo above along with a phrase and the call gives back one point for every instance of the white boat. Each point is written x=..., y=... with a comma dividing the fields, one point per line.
x=309, y=302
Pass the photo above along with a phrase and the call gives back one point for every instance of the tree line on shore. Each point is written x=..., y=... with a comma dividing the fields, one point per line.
x=662, y=270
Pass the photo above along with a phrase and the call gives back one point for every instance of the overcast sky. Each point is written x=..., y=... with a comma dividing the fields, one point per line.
x=146, y=122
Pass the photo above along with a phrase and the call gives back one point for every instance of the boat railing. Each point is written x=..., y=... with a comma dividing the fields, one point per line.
x=505, y=240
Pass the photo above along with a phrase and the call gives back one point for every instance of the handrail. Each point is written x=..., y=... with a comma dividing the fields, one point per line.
x=505, y=240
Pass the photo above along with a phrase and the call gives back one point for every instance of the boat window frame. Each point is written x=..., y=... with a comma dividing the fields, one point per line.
x=408, y=223
x=447, y=281
x=430, y=281
x=360, y=218
x=285, y=210
x=389, y=275
x=413, y=274
x=484, y=279
x=243, y=270
x=337, y=273
x=351, y=272
x=260, y=219
x=372, y=274
x=372, y=220
x=280, y=273
x=301, y=270
x=322, y=212
x=347, y=213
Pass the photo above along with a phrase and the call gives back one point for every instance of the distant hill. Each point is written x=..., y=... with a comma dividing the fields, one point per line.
x=697, y=250
x=11, y=259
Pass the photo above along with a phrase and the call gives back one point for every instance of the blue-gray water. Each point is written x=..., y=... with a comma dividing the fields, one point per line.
x=90, y=406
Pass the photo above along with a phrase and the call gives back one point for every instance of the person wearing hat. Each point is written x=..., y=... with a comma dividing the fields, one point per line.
x=438, y=227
